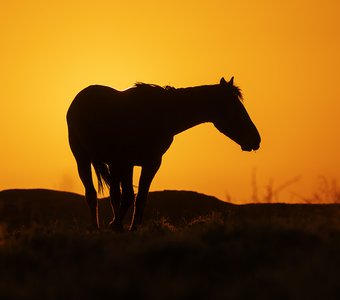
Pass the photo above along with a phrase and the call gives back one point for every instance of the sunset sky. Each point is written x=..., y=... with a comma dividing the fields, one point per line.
x=285, y=55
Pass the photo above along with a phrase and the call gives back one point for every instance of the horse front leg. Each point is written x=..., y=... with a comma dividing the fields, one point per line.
x=146, y=177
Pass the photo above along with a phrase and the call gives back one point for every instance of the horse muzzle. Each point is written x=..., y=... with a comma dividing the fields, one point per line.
x=250, y=147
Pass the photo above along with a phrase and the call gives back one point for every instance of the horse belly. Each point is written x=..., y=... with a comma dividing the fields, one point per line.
x=132, y=151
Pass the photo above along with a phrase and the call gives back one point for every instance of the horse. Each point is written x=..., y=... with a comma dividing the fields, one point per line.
x=116, y=130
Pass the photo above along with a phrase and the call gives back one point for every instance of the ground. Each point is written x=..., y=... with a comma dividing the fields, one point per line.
x=260, y=251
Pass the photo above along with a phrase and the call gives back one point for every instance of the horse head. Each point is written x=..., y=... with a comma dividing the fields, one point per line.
x=232, y=119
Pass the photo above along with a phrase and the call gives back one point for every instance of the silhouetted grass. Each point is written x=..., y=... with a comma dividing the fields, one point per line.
x=246, y=252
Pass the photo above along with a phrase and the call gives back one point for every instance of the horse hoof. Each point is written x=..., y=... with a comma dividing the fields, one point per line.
x=133, y=228
x=93, y=228
x=118, y=227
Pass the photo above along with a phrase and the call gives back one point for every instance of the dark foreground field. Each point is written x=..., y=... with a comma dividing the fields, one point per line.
x=191, y=247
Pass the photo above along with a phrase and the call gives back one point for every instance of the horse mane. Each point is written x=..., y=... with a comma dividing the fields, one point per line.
x=147, y=86
x=235, y=90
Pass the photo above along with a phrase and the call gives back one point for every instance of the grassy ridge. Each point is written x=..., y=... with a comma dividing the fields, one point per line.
x=236, y=252
x=23, y=207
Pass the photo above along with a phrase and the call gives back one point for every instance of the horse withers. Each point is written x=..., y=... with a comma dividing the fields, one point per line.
x=117, y=130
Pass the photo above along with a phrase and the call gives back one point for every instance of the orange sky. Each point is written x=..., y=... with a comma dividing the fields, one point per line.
x=284, y=56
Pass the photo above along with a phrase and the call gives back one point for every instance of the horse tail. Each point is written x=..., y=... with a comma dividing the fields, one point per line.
x=103, y=175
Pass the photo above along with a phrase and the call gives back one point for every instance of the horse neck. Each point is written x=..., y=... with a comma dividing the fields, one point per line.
x=191, y=107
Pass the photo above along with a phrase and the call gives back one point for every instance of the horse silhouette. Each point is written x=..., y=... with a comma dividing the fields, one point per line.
x=117, y=130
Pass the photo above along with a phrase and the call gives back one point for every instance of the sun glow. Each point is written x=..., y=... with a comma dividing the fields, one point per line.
x=284, y=56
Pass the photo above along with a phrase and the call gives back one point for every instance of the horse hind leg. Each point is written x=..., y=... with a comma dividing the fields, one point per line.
x=128, y=195
x=121, y=200
x=85, y=174
x=115, y=198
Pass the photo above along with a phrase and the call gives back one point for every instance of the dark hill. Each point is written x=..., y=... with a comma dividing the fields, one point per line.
x=24, y=207
x=20, y=208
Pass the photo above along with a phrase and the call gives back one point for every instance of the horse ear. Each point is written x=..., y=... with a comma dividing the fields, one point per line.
x=223, y=81
x=231, y=82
